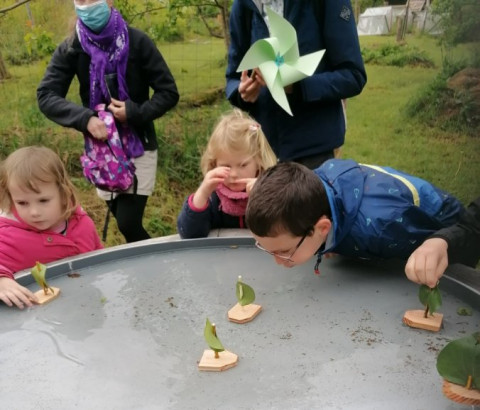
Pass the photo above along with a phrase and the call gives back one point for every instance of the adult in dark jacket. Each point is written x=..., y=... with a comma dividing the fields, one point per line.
x=104, y=47
x=317, y=126
x=459, y=243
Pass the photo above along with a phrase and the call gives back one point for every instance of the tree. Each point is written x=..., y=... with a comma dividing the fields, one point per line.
x=460, y=20
x=3, y=68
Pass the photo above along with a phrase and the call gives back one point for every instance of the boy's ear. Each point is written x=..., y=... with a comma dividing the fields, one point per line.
x=323, y=225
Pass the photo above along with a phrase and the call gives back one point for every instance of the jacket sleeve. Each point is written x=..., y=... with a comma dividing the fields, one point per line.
x=345, y=74
x=194, y=223
x=463, y=238
x=159, y=78
x=54, y=87
x=239, y=45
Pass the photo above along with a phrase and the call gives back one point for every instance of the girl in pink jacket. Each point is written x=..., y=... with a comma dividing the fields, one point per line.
x=40, y=218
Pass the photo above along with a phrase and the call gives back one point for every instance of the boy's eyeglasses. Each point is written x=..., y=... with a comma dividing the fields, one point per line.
x=285, y=258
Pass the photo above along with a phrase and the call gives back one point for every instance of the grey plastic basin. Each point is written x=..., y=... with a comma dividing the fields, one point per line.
x=128, y=333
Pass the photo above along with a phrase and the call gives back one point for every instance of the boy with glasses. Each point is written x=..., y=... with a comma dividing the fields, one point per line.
x=343, y=207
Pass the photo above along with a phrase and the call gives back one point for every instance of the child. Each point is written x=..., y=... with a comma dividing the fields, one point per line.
x=347, y=208
x=236, y=153
x=459, y=243
x=40, y=219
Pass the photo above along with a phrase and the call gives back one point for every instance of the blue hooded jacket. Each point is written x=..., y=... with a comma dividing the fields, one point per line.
x=381, y=212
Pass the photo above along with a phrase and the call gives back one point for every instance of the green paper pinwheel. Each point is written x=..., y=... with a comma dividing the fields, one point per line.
x=245, y=294
x=38, y=273
x=279, y=60
x=459, y=361
x=210, y=334
x=430, y=298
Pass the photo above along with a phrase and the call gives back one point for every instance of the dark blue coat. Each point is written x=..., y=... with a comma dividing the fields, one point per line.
x=318, y=122
x=198, y=224
x=382, y=212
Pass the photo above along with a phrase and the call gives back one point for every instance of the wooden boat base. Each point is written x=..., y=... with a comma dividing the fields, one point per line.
x=415, y=318
x=45, y=298
x=243, y=314
x=209, y=363
x=461, y=394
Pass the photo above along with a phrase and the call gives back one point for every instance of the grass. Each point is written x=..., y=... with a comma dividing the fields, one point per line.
x=379, y=130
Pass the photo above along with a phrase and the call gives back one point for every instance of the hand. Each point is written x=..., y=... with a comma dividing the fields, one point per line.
x=117, y=108
x=97, y=128
x=12, y=293
x=428, y=263
x=209, y=184
x=249, y=87
x=249, y=183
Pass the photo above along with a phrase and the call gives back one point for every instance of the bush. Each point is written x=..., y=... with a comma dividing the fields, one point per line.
x=398, y=56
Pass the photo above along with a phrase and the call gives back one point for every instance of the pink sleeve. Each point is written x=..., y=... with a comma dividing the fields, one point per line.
x=5, y=272
x=193, y=207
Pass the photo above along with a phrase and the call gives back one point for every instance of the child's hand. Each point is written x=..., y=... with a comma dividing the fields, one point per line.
x=428, y=262
x=97, y=128
x=249, y=88
x=12, y=293
x=209, y=184
x=249, y=183
x=117, y=108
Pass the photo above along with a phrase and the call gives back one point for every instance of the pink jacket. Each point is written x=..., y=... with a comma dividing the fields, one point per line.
x=22, y=245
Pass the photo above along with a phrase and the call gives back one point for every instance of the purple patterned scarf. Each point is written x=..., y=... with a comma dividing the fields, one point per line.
x=108, y=51
x=232, y=202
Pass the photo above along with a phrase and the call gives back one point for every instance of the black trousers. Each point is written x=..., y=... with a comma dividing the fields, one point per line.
x=128, y=210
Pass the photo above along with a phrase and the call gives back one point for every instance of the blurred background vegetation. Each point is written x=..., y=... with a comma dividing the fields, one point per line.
x=419, y=112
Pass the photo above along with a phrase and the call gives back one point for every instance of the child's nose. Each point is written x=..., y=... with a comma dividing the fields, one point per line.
x=279, y=261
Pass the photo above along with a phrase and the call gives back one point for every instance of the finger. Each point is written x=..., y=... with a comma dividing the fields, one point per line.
x=6, y=300
x=410, y=269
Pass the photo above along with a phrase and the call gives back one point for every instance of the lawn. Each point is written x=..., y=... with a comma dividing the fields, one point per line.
x=379, y=131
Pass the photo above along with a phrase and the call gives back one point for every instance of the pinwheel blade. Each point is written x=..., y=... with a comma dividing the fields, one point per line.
x=260, y=52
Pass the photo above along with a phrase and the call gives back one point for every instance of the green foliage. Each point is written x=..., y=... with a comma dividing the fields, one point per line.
x=460, y=359
x=245, y=293
x=430, y=298
x=211, y=338
x=397, y=55
x=460, y=20
x=436, y=103
x=39, y=42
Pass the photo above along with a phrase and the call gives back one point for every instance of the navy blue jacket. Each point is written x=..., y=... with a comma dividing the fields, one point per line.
x=198, y=224
x=318, y=122
x=381, y=212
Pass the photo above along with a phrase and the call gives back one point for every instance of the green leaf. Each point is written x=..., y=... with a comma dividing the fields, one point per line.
x=464, y=311
x=430, y=297
x=245, y=294
x=211, y=337
x=38, y=273
x=459, y=359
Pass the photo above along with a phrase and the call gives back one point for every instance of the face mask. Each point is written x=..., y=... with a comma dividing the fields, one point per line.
x=95, y=16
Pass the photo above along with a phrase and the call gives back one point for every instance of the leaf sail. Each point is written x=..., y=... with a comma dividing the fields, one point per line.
x=430, y=298
x=211, y=338
x=38, y=272
x=245, y=294
x=460, y=359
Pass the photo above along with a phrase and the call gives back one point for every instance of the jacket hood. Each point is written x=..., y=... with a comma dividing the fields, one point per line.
x=344, y=184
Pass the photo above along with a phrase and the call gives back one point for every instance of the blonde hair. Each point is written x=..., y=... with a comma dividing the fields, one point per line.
x=237, y=131
x=29, y=166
